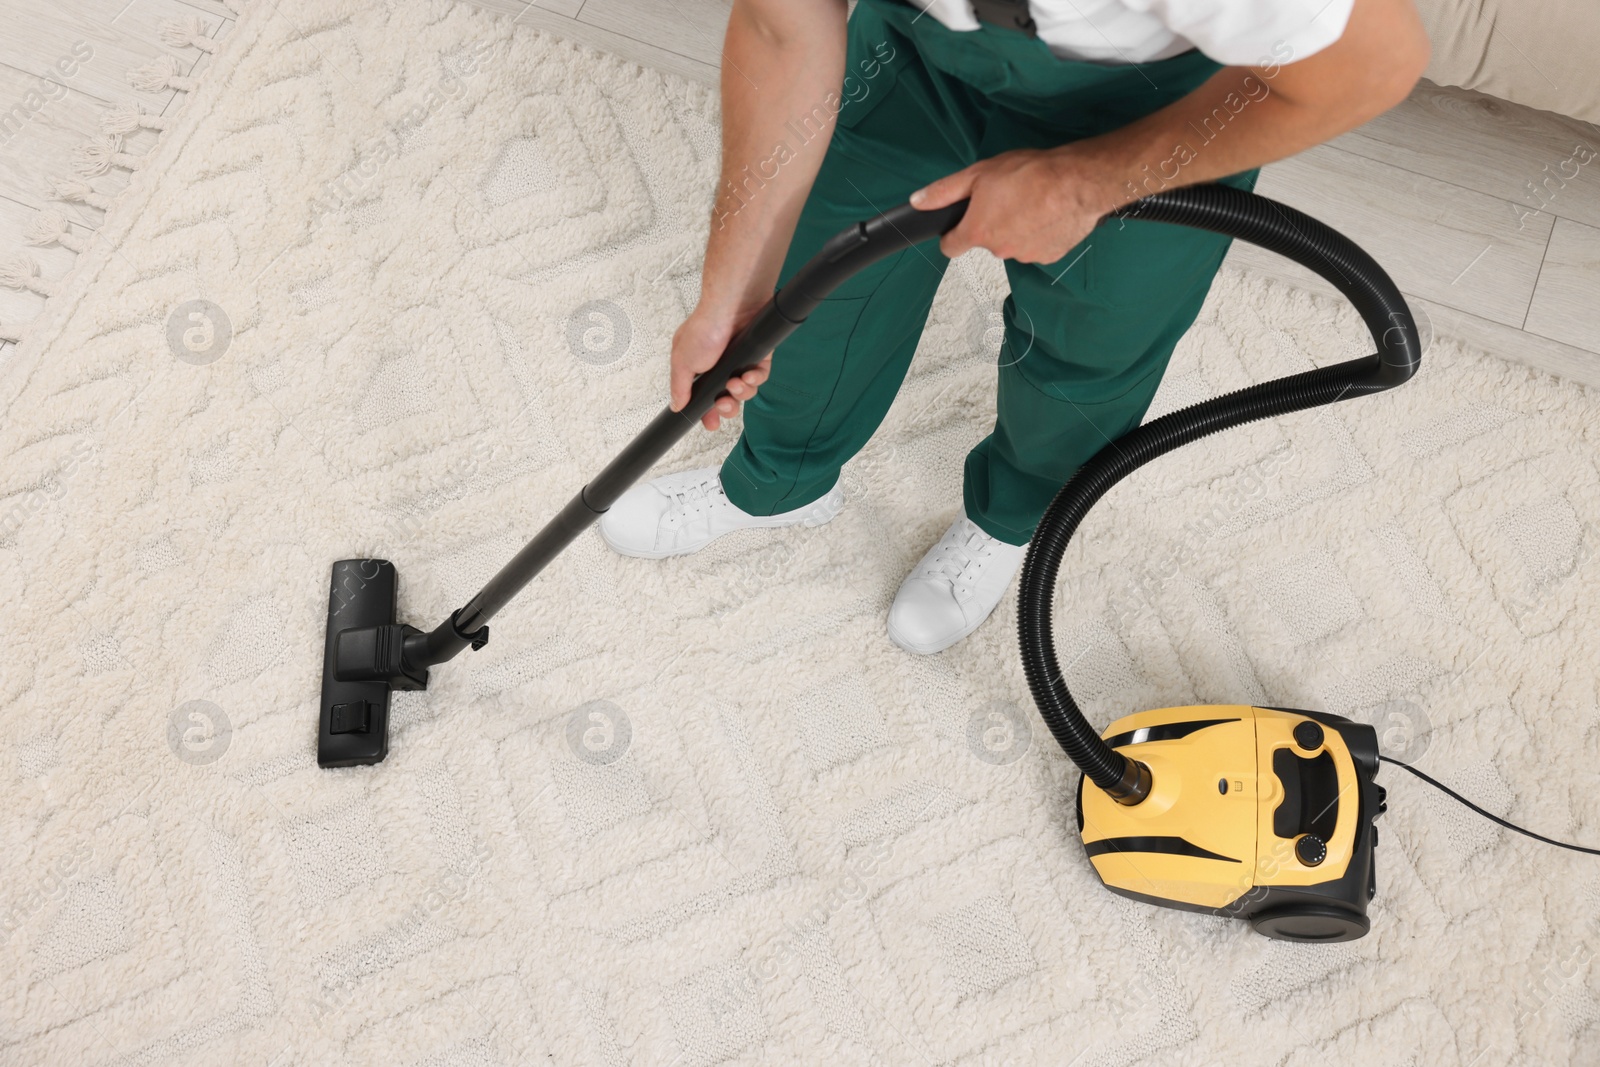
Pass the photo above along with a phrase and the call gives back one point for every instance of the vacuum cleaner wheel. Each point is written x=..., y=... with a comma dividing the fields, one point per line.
x=1310, y=922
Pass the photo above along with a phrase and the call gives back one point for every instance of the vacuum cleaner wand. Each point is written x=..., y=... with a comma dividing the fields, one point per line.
x=368, y=654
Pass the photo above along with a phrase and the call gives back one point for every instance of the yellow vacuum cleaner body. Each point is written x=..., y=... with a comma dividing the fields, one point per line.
x=1264, y=814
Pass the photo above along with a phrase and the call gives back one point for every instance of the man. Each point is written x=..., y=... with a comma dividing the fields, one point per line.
x=1047, y=114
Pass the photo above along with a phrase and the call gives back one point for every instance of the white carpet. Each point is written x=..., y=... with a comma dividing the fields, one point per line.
x=701, y=811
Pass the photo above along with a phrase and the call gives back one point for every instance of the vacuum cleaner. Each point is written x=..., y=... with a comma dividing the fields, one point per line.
x=1260, y=813
x=1265, y=814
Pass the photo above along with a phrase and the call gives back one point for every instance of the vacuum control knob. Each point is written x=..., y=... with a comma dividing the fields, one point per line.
x=1308, y=735
x=1311, y=850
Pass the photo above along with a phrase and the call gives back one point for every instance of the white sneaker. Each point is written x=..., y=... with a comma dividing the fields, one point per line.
x=676, y=514
x=955, y=587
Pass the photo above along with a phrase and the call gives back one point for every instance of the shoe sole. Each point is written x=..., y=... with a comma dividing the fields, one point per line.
x=810, y=522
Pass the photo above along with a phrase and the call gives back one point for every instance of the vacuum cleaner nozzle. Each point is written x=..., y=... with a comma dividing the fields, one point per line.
x=354, y=727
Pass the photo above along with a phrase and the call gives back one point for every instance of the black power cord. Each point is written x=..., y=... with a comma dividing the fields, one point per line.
x=1491, y=816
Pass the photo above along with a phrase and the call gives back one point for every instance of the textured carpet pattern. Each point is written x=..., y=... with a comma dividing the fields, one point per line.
x=398, y=279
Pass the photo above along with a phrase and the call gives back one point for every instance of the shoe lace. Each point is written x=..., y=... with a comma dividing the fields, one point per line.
x=955, y=555
x=691, y=499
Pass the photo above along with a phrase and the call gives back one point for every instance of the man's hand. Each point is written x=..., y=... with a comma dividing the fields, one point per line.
x=697, y=346
x=1034, y=205
x=1030, y=205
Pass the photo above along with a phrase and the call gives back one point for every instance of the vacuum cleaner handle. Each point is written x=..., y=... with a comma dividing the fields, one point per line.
x=845, y=254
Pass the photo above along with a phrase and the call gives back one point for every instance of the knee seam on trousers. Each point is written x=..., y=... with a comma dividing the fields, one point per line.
x=1051, y=393
x=867, y=298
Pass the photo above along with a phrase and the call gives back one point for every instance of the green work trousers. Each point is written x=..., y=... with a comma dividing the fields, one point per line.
x=1086, y=339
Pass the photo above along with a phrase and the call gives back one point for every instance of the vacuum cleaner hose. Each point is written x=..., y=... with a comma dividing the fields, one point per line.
x=1290, y=233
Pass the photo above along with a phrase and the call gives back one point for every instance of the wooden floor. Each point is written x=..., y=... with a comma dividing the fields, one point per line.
x=1478, y=207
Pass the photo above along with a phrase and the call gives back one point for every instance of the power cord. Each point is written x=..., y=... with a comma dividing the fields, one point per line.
x=1488, y=814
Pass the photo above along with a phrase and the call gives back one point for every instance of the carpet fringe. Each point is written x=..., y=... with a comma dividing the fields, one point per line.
x=21, y=271
x=190, y=32
x=129, y=118
x=161, y=74
x=51, y=227
x=99, y=155
x=76, y=190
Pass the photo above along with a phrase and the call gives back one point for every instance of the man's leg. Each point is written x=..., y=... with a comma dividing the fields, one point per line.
x=833, y=381
x=1087, y=341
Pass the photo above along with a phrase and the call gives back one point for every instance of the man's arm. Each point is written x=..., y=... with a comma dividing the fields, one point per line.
x=782, y=69
x=1035, y=205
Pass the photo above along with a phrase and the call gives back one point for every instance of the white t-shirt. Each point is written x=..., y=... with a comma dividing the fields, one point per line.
x=1232, y=32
